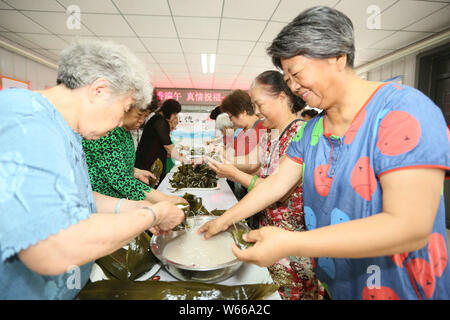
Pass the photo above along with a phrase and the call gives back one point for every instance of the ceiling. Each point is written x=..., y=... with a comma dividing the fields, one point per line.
x=170, y=35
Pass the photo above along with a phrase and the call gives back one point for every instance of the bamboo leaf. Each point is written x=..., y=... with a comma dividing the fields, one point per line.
x=172, y=290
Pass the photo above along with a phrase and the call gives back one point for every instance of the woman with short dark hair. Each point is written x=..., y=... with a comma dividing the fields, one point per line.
x=236, y=103
x=243, y=153
x=373, y=168
x=215, y=113
x=155, y=142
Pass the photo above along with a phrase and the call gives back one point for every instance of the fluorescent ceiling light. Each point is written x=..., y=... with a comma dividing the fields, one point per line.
x=212, y=62
x=204, y=63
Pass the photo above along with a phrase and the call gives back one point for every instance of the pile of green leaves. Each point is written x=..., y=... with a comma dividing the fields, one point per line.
x=188, y=176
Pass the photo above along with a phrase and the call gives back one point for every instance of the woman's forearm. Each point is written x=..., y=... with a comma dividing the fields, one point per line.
x=244, y=178
x=246, y=167
x=109, y=204
x=155, y=196
x=264, y=194
x=88, y=240
x=380, y=235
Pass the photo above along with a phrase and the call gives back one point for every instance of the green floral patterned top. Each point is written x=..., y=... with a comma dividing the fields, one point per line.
x=110, y=160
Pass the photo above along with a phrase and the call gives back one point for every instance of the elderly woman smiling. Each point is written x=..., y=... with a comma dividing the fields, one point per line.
x=277, y=106
x=373, y=169
x=47, y=221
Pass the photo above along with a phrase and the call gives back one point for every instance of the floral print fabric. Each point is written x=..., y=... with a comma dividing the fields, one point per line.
x=294, y=275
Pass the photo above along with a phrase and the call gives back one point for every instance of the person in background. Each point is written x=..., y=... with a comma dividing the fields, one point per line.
x=308, y=114
x=155, y=142
x=215, y=113
x=172, y=126
x=373, y=168
x=222, y=125
x=225, y=127
x=154, y=105
x=52, y=225
x=242, y=151
x=111, y=159
x=277, y=106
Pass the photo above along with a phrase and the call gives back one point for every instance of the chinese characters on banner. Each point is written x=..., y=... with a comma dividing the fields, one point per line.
x=193, y=96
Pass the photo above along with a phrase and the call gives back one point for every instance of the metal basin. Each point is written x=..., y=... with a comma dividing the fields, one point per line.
x=190, y=273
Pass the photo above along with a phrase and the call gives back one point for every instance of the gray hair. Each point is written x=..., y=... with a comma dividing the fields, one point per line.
x=223, y=121
x=318, y=32
x=85, y=61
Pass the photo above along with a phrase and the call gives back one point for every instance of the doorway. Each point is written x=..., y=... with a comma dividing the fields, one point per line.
x=434, y=80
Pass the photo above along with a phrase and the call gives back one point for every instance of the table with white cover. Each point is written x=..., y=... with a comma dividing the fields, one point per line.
x=223, y=198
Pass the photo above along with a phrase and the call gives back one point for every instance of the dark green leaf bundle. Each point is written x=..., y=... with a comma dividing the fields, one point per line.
x=173, y=290
x=196, y=206
x=238, y=237
x=156, y=169
x=217, y=212
x=132, y=263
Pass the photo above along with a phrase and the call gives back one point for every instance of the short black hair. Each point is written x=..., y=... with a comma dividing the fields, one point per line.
x=170, y=107
x=310, y=112
x=216, y=111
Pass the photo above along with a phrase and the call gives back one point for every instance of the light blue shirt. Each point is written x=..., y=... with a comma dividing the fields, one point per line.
x=236, y=132
x=44, y=188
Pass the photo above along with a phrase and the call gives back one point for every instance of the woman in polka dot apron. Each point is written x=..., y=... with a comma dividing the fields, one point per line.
x=373, y=168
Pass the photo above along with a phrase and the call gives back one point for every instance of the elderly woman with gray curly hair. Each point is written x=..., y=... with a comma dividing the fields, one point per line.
x=48, y=225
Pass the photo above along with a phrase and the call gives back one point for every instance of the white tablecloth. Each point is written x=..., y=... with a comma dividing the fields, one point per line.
x=222, y=199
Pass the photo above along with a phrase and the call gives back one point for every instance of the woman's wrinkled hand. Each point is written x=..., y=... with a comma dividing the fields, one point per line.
x=168, y=216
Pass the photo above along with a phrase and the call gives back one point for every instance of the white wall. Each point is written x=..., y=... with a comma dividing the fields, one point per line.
x=18, y=67
x=405, y=67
